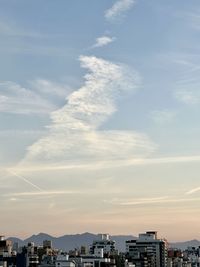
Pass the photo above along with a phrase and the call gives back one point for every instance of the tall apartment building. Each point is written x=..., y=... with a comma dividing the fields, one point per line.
x=47, y=244
x=103, y=246
x=32, y=257
x=147, y=250
x=5, y=246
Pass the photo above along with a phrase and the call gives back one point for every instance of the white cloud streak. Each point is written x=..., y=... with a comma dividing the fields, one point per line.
x=25, y=133
x=101, y=164
x=41, y=99
x=119, y=8
x=162, y=116
x=186, y=87
x=193, y=191
x=74, y=134
x=192, y=19
x=47, y=88
x=10, y=29
x=24, y=180
x=103, y=41
x=43, y=193
x=188, y=96
x=151, y=201
x=19, y=100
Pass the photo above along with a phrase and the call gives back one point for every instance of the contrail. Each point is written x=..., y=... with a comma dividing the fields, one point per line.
x=25, y=180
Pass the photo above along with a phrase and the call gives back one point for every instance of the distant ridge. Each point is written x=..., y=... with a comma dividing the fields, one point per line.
x=185, y=244
x=69, y=242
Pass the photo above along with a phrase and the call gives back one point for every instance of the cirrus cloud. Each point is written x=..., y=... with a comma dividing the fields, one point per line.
x=188, y=96
x=118, y=9
x=162, y=116
x=75, y=133
x=41, y=98
x=103, y=41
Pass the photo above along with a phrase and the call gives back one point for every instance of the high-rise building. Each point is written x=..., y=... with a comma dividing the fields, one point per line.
x=47, y=244
x=147, y=250
x=32, y=257
x=5, y=246
x=103, y=246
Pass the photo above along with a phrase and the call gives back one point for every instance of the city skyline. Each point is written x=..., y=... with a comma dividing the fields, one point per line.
x=99, y=105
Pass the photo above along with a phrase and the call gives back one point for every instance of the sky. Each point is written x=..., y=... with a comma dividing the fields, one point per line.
x=99, y=112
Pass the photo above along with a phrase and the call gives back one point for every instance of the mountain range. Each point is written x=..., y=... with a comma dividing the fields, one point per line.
x=69, y=242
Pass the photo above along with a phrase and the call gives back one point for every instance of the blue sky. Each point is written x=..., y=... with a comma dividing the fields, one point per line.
x=99, y=110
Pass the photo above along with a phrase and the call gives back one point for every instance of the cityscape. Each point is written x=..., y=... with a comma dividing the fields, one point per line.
x=148, y=250
x=99, y=133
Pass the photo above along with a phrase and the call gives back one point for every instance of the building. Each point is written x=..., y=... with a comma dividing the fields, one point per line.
x=32, y=259
x=147, y=250
x=64, y=261
x=5, y=246
x=104, y=246
x=47, y=244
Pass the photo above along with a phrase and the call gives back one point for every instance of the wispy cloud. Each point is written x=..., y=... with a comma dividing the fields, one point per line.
x=192, y=191
x=13, y=199
x=74, y=134
x=49, y=88
x=43, y=193
x=103, y=41
x=164, y=160
x=150, y=201
x=118, y=9
x=162, y=116
x=25, y=180
x=191, y=18
x=188, y=96
x=103, y=164
x=11, y=133
x=137, y=201
x=41, y=98
x=8, y=28
x=186, y=85
x=16, y=99
x=39, y=191
x=194, y=19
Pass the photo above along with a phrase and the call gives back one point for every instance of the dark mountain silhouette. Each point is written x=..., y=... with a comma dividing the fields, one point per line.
x=69, y=242
x=185, y=244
